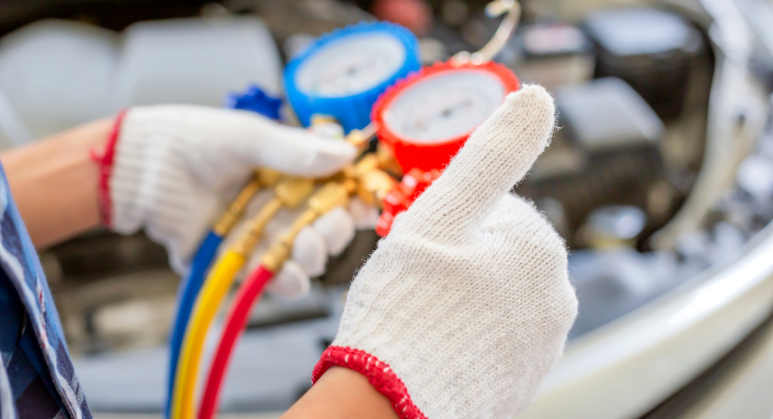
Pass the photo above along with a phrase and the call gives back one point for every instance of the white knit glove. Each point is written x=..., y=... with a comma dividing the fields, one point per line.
x=465, y=306
x=176, y=167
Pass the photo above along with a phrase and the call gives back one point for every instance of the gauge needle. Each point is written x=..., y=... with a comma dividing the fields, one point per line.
x=350, y=71
x=444, y=113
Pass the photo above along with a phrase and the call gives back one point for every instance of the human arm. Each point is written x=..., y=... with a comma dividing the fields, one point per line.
x=55, y=182
x=341, y=393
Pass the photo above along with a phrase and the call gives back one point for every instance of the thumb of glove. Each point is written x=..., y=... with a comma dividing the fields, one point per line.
x=496, y=157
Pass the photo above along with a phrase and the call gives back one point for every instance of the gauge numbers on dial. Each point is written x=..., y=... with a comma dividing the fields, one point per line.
x=351, y=65
x=444, y=106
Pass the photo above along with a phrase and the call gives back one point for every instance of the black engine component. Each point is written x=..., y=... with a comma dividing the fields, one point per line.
x=650, y=49
x=613, y=137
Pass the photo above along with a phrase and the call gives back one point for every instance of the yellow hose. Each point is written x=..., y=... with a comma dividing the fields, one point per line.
x=216, y=286
x=221, y=276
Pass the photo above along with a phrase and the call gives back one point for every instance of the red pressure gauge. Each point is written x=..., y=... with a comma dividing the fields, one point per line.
x=426, y=118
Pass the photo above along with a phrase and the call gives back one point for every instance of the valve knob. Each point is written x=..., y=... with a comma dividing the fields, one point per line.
x=256, y=100
x=402, y=196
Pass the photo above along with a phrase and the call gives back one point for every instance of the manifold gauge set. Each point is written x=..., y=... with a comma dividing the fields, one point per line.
x=367, y=78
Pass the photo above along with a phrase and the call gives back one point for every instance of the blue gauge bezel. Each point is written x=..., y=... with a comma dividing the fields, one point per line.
x=353, y=111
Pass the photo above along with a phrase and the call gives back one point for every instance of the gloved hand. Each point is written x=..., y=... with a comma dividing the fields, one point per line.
x=327, y=236
x=465, y=306
x=174, y=168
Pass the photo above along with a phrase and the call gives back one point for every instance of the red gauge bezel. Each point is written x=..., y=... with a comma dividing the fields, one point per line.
x=436, y=155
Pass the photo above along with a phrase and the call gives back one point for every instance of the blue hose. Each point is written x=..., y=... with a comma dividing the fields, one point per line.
x=255, y=100
x=189, y=290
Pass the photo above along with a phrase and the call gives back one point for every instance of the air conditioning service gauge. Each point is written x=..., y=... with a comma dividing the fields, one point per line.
x=343, y=72
x=426, y=118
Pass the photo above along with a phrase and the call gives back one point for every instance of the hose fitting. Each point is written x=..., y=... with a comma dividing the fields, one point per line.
x=289, y=193
x=236, y=209
x=333, y=194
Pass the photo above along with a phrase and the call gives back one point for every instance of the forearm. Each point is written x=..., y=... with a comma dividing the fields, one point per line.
x=55, y=183
x=341, y=393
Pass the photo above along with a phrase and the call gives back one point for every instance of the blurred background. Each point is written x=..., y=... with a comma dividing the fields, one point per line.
x=660, y=179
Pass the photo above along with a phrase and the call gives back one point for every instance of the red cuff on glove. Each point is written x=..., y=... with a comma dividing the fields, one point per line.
x=379, y=375
x=105, y=161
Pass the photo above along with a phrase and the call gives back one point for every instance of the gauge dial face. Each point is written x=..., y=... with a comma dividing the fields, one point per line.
x=351, y=65
x=444, y=106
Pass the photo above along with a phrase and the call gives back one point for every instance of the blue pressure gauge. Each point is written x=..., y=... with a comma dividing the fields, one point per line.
x=343, y=72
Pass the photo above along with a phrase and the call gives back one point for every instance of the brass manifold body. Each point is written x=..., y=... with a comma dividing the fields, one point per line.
x=365, y=178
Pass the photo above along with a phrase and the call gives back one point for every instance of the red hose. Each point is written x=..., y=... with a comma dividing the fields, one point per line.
x=236, y=321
